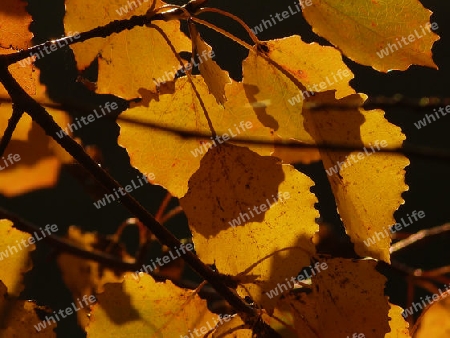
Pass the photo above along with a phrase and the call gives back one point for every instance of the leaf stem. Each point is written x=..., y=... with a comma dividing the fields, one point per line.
x=235, y=18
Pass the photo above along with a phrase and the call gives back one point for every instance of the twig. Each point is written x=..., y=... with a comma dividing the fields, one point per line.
x=419, y=236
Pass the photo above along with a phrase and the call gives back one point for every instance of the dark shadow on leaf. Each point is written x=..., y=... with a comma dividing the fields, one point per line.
x=259, y=108
x=223, y=188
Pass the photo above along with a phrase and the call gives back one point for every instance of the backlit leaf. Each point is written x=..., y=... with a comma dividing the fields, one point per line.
x=434, y=321
x=14, y=256
x=266, y=247
x=84, y=277
x=40, y=163
x=362, y=29
x=129, y=52
x=367, y=185
x=346, y=298
x=21, y=317
x=174, y=160
x=146, y=308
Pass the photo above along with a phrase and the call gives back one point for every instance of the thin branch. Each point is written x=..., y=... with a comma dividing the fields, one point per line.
x=68, y=246
x=372, y=102
x=398, y=100
x=422, y=234
x=12, y=124
x=162, y=207
x=172, y=213
x=407, y=149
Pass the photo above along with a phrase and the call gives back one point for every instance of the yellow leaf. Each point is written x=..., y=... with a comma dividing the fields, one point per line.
x=374, y=25
x=14, y=256
x=84, y=277
x=14, y=23
x=282, y=100
x=317, y=67
x=174, y=160
x=346, y=298
x=149, y=309
x=235, y=328
x=367, y=185
x=399, y=326
x=434, y=321
x=267, y=244
x=39, y=163
x=142, y=53
x=214, y=76
x=21, y=318
x=292, y=155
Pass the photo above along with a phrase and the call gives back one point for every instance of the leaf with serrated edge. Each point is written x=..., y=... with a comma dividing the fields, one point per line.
x=81, y=276
x=367, y=190
x=362, y=28
x=129, y=52
x=269, y=247
x=14, y=264
x=346, y=298
x=150, y=309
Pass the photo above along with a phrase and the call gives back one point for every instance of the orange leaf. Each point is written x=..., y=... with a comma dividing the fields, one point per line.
x=367, y=31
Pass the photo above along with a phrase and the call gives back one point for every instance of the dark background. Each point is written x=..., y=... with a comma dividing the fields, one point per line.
x=69, y=204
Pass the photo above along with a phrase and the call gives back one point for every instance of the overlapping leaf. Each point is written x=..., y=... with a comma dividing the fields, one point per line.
x=367, y=187
x=146, y=308
x=346, y=298
x=174, y=160
x=364, y=29
x=40, y=164
x=20, y=317
x=83, y=277
x=143, y=53
x=265, y=246
x=214, y=76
